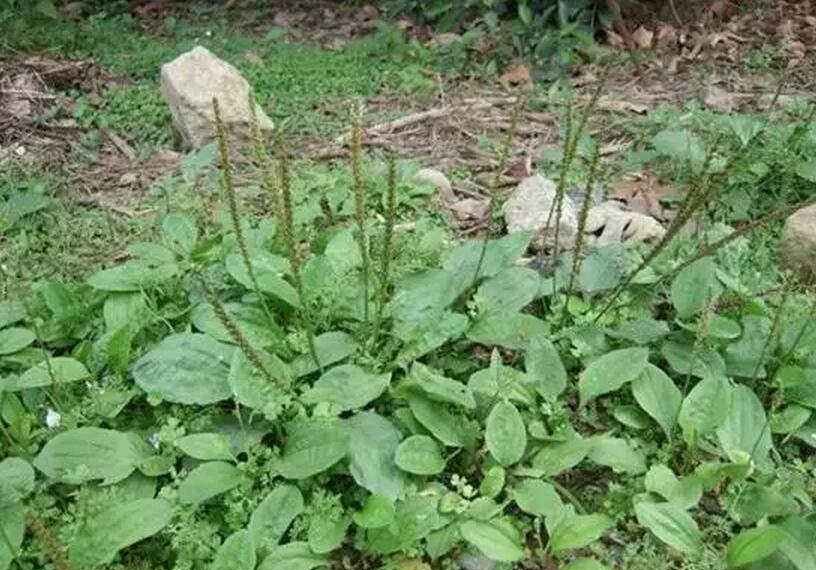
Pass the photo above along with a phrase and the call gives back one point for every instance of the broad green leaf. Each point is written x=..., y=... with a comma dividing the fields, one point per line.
x=126, y=309
x=505, y=434
x=723, y=327
x=208, y=480
x=252, y=322
x=373, y=441
x=136, y=275
x=11, y=312
x=313, y=446
x=536, y=497
x=16, y=480
x=685, y=493
x=377, y=512
x=293, y=556
x=430, y=335
x=543, y=365
x=347, y=387
x=585, y=564
x=450, y=429
x=705, y=408
x=790, y=418
x=561, y=456
x=603, y=269
x=179, y=233
x=12, y=525
x=273, y=515
x=512, y=331
x=206, y=446
x=745, y=428
x=331, y=347
x=680, y=145
x=500, y=380
x=688, y=359
x=268, y=270
x=617, y=454
x=493, y=482
x=326, y=534
x=63, y=369
x=102, y=536
x=746, y=356
x=250, y=388
x=187, y=369
x=643, y=331
x=577, y=531
x=611, y=371
x=658, y=396
x=799, y=385
x=508, y=292
x=87, y=453
x=753, y=544
x=490, y=258
x=807, y=170
x=420, y=455
x=483, y=509
x=798, y=544
x=14, y=339
x=440, y=388
x=755, y=502
x=236, y=553
x=671, y=524
x=632, y=416
x=492, y=541
x=695, y=287
x=440, y=542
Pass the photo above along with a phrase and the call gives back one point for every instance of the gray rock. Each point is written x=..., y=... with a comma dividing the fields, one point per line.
x=437, y=179
x=191, y=81
x=611, y=222
x=797, y=248
x=528, y=209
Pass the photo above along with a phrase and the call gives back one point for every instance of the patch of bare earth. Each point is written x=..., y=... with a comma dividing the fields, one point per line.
x=37, y=127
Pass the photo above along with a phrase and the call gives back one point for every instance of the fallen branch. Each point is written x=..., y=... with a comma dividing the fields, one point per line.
x=465, y=105
x=121, y=144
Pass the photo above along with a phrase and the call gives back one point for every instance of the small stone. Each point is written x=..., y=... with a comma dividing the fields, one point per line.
x=528, y=209
x=128, y=179
x=189, y=84
x=797, y=247
x=437, y=179
x=611, y=223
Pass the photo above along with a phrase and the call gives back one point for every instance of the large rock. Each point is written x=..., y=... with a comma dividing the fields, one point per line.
x=798, y=245
x=528, y=209
x=191, y=81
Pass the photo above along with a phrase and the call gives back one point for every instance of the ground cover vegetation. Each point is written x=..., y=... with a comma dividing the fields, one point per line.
x=297, y=365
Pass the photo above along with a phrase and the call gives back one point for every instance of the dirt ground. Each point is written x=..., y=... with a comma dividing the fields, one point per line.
x=677, y=59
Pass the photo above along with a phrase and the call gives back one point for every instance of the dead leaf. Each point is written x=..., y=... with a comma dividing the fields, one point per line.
x=469, y=209
x=643, y=193
x=721, y=100
x=666, y=36
x=516, y=75
x=615, y=40
x=621, y=105
x=643, y=37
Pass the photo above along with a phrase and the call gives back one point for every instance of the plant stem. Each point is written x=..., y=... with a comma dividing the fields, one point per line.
x=360, y=202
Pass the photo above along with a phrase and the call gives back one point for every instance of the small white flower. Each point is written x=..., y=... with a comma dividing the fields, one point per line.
x=52, y=419
x=154, y=440
x=20, y=150
x=208, y=33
